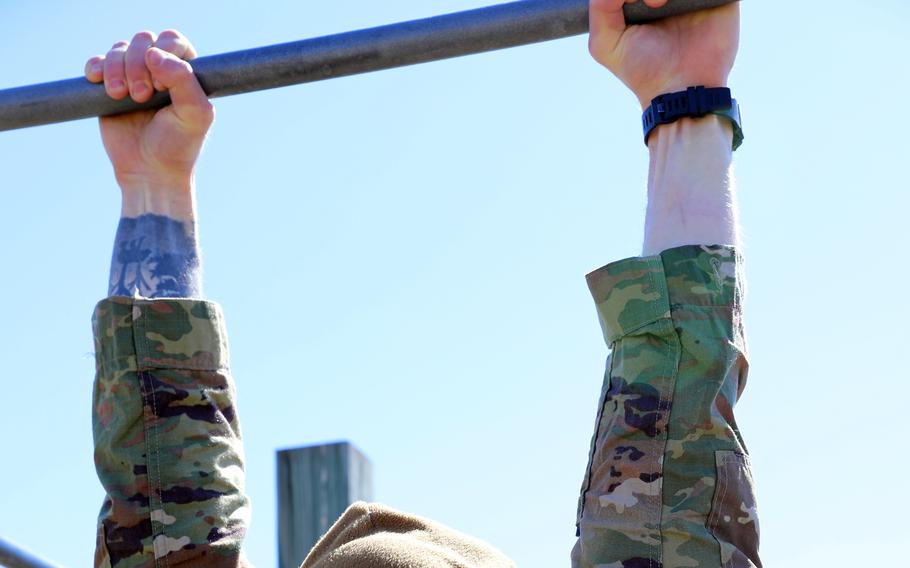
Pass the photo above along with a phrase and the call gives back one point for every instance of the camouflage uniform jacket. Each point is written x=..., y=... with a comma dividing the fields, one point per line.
x=668, y=481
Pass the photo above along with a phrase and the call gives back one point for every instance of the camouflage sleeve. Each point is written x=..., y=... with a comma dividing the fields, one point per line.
x=668, y=480
x=167, y=445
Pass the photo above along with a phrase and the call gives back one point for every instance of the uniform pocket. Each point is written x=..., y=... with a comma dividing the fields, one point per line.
x=734, y=520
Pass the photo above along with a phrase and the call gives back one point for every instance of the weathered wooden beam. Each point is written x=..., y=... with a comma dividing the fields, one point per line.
x=315, y=486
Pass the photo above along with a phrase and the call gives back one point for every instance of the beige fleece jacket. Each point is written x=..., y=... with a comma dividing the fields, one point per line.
x=369, y=535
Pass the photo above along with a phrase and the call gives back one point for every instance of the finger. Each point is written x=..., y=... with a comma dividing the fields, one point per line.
x=607, y=24
x=138, y=77
x=114, y=74
x=94, y=69
x=654, y=3
x=190, y=104
x=174, y=42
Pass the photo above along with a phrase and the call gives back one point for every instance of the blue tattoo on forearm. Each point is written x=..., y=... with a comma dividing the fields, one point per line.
x=155, y=257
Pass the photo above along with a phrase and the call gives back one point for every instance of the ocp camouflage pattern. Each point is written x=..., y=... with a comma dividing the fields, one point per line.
x=668, y=483
x=167, y=443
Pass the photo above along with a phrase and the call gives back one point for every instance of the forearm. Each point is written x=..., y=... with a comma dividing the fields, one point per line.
x=669, y=479
x=691, y=193
x=156, y=249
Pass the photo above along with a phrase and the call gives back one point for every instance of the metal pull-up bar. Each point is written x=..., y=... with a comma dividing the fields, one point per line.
x=374, y=49
x=12, y=556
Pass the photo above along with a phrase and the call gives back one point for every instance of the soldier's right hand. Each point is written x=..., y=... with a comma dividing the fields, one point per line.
x=153, y=151
x=669, y=55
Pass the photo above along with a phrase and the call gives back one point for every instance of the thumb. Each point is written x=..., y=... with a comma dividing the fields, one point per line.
x=607, y=24
x=190, y=104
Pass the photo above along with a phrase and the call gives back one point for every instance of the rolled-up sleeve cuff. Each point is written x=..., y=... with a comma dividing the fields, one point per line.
x=135, y=334
x=635, y=292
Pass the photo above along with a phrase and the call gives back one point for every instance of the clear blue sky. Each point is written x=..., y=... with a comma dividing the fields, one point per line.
x=401, y=259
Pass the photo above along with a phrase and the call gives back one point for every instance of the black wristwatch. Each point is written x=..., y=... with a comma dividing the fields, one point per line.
x=693, y=102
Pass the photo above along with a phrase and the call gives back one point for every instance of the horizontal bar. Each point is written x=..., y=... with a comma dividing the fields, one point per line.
x=374, y=49
x=12, y=556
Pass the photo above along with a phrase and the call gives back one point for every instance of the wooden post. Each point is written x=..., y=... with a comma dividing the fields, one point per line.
x=315, y=485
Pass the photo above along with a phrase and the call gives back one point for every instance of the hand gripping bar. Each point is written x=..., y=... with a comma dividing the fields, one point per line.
x=328, y=57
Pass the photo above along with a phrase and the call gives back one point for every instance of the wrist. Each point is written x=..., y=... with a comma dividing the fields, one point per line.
x=710, y=134
x=170, y=196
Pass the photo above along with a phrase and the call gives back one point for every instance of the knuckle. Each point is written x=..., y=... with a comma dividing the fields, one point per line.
x=183, y=67
x=199, y=117
x=592, y=46
x=207, y=112
x=170, y=35
x=144, y=36
x=168, y=45
x=119, y=45
x=114, y=57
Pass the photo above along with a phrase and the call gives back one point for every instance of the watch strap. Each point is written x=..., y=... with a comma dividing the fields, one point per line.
x=694, y=102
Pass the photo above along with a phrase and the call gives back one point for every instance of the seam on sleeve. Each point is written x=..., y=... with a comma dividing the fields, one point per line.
x=673, y=360
x=151, y=430
x=672, y=369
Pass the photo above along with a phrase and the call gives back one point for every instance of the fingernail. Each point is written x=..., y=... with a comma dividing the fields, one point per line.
x=116, y=85
x=154, y=56
x=139, y=88
x=95, y=68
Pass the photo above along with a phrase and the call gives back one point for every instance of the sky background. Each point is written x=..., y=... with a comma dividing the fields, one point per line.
x=401, y=260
